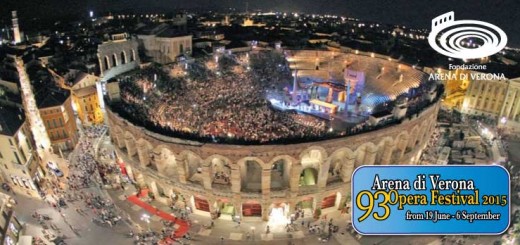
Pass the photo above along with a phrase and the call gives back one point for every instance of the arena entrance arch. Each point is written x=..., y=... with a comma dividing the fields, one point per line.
x=174, y=197
x=225, y=209
x=158, y=192
x=251, y=209
x=278, y=213
x=306, y=205
x=200, y=203
x=331, y=201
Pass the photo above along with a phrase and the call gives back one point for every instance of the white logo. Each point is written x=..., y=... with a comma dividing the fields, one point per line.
x=483, y=39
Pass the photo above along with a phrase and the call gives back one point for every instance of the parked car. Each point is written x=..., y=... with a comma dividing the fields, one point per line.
x=56, y=172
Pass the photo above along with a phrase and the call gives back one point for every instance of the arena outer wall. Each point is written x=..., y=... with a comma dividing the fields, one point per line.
x=165, y=165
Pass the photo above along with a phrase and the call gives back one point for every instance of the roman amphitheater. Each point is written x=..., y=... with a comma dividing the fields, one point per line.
x=261, y=181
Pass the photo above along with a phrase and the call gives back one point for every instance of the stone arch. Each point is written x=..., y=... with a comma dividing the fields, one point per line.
x=123, y=57
x=251, y=169
x=309, y=176
x=106, y=62
x=314, y=166
x=365, y=154
x=313, y=157
x=144, y=152
x=401, y=143
x=219, y=168
x=114, y=60
x=281, y=167
x=321, y=150
x=192, y=167
x=165, y=161
x=130, y=144
x=384, y=150
x=341, y=165
x=132, y=56
x=118, y=136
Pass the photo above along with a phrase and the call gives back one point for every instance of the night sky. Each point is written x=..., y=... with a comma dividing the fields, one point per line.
x=413, y=13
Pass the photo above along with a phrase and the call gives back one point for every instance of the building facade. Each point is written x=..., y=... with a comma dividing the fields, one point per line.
x=485, y=97
x=10, y=226
x=84, y=95
x=58, y=118
x=117, y=56
x=87, y=105
x=509, y=118
x=166, y=46
x=261, y=182
x=20, y=164
x=498, y=99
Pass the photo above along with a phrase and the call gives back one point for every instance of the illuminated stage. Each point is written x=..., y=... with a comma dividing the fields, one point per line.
x=342, y=88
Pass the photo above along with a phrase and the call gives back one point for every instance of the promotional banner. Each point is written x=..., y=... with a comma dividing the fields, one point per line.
x=408, y=200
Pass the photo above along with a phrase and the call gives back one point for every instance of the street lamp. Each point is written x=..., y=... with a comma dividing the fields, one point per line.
x=146, y=218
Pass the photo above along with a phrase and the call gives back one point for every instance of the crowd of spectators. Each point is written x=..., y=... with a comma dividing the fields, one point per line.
x=223, y=98
x=218, y=98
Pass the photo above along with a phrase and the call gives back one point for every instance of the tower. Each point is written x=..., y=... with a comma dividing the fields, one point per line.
x=16, y=29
